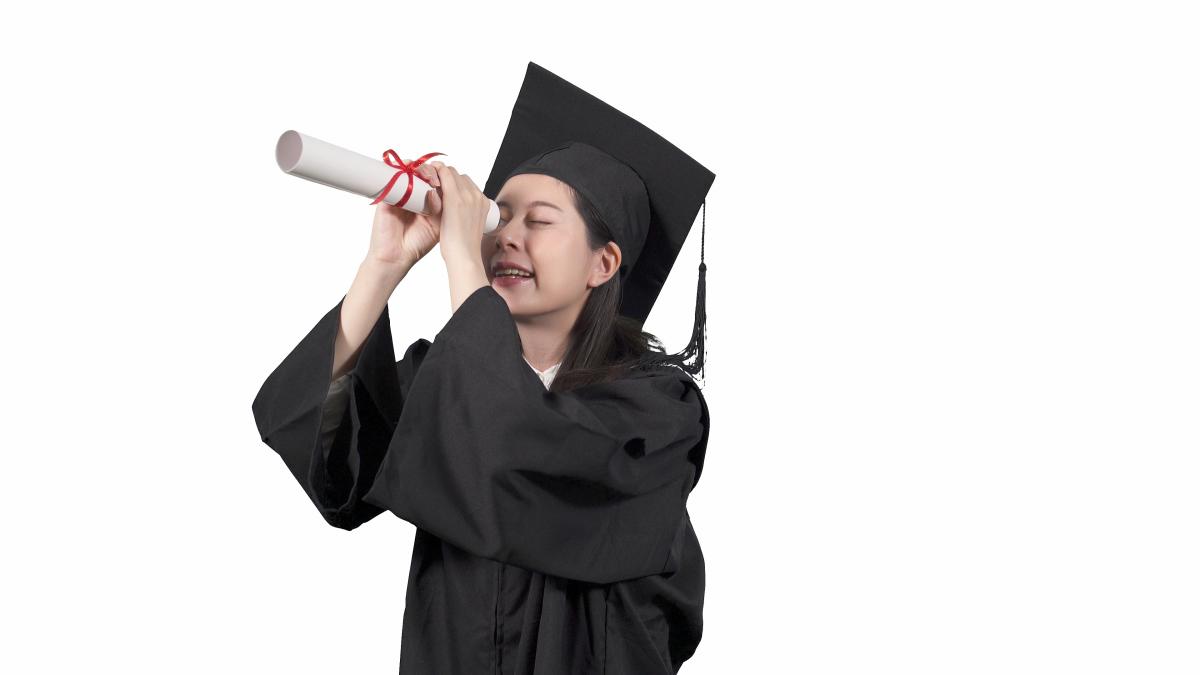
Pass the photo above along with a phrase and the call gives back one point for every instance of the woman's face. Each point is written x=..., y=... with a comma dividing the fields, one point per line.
x=541, y=232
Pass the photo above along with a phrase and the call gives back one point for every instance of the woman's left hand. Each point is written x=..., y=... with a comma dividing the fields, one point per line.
x=464, y=212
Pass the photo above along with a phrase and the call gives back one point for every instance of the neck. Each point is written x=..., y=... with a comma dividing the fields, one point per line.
x=544, y=338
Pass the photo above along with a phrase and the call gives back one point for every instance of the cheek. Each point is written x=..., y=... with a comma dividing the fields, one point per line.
x=561, y=266
x=565, y=275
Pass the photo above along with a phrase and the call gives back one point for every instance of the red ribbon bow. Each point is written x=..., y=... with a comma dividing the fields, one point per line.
x=398, y=163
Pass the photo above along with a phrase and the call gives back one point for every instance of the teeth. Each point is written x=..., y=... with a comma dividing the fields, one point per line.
x=512, y=272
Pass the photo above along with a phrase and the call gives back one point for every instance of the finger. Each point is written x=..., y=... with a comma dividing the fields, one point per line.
x=427, y=172
x=445, y=178
x=433, y=167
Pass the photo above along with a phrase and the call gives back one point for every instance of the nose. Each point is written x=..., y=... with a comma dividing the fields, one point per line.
x=507, y=236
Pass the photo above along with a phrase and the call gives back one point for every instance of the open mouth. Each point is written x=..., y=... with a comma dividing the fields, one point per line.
x=511, y=279
x=507, y=273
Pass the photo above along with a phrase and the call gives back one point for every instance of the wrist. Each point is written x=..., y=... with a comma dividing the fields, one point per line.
x=386, y=273
x=458, y=254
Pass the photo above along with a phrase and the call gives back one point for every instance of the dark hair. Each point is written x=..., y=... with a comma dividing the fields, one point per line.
x=604, y=345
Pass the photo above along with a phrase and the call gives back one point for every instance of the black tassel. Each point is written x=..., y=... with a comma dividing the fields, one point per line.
x=695, y=348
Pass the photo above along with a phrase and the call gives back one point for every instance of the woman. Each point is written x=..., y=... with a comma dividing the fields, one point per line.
x=552, y=530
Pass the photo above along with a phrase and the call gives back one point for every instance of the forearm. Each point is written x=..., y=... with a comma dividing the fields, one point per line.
x=363, y=305
x=466, y=275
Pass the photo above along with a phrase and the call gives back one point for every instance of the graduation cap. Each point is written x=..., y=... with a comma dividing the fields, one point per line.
x=647, y=190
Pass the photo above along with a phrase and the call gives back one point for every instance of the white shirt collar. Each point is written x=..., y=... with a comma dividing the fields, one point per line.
x=547, y=375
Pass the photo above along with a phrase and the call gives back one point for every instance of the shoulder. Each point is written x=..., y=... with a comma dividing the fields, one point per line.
x=667, y=375
x=682, y=402
x=668, y=388
x=661, y=390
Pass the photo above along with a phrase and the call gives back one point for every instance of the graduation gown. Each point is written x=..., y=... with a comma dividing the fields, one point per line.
x=552, y=530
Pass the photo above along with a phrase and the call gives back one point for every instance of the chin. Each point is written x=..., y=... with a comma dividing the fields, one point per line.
x=519, y=310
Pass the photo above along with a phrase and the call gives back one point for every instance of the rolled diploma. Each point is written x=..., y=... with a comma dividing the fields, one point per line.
x=321, y=162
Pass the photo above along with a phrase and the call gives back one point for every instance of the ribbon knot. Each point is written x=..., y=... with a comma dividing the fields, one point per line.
x=393, y=160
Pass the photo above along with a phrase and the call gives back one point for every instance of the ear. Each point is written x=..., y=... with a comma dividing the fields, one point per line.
x=606, y=263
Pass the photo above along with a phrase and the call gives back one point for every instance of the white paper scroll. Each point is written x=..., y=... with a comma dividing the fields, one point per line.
x=312, y=159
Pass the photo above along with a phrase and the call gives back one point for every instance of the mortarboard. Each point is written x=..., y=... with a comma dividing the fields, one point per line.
x=648, y=190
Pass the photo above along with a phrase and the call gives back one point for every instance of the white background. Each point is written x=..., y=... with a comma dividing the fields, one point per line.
x=952, y=320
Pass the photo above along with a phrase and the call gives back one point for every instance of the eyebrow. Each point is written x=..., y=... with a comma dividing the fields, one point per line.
x=503, y=202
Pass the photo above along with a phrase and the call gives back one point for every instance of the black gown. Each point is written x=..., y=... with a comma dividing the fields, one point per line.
x=552, y=530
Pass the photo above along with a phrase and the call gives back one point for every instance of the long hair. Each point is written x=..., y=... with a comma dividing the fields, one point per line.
x=604, y=345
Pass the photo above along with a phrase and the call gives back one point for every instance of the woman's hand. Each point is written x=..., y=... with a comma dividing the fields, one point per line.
x=399, y=237
x=464, y=213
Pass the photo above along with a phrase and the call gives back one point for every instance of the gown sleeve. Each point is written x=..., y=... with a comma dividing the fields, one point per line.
x=334, y=410
x=589, y=484
x=333, y=436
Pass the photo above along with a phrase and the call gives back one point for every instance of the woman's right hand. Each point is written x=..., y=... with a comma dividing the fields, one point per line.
x=400, y=237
